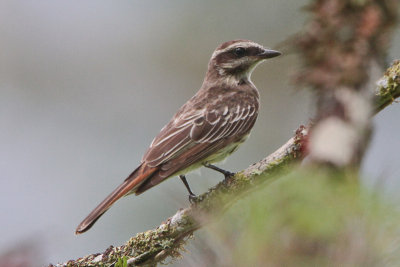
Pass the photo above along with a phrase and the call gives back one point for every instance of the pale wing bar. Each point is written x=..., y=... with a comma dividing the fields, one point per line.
x=205, y=126
x=172, y=140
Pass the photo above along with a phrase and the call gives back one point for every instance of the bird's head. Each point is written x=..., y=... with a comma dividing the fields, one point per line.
x=235, y=60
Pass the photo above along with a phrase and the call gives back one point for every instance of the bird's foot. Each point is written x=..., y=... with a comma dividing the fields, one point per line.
x=226, y=173
x=193, y=199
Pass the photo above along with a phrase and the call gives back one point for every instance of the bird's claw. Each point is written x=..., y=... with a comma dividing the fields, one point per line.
x=193, y=199
x=228, y=175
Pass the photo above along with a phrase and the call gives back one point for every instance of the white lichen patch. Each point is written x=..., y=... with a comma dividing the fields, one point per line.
x=98, y=258
x=382, y=83
x=179, y=219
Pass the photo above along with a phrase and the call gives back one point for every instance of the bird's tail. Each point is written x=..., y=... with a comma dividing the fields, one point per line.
x=136, y=178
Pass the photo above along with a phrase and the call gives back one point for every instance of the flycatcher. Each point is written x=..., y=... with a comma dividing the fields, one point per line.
x=206, y=129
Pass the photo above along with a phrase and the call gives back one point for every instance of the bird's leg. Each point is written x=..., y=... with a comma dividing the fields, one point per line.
x=227, y=174
x=192, y=196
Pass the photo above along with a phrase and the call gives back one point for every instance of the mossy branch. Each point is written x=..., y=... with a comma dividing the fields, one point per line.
x=153, y=246
x=387, y=89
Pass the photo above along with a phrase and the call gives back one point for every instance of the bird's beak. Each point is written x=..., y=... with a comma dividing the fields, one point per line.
x=268, y=53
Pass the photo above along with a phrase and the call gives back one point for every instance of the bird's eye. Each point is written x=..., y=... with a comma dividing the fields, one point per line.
x=239, y=51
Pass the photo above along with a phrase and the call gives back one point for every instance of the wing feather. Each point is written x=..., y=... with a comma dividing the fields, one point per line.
x=195, y=128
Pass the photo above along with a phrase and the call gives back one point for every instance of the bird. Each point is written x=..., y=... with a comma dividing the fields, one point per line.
x=206, y=129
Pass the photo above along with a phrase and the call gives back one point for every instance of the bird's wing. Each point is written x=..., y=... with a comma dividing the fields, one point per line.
x=198, y=130
x=196, y=135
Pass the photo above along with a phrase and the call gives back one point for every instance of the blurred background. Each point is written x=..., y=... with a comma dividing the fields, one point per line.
x=86, y=85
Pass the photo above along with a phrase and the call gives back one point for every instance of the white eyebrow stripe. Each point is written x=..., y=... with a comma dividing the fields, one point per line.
x=235, y=45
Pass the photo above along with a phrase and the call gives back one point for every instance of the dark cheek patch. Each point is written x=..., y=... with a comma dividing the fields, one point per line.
x=223, y=58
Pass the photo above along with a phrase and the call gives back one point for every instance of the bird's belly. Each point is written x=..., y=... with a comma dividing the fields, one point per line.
x=216, y=157
x=222, y=153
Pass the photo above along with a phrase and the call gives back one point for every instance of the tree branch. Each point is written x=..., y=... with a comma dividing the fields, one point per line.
x=153, y=246
x=337, y=47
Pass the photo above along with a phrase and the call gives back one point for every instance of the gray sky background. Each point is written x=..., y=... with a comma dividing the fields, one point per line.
x=85, y=86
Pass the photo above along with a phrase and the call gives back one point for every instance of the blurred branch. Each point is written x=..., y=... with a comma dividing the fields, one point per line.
x=337, y=47
x=154, y=246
